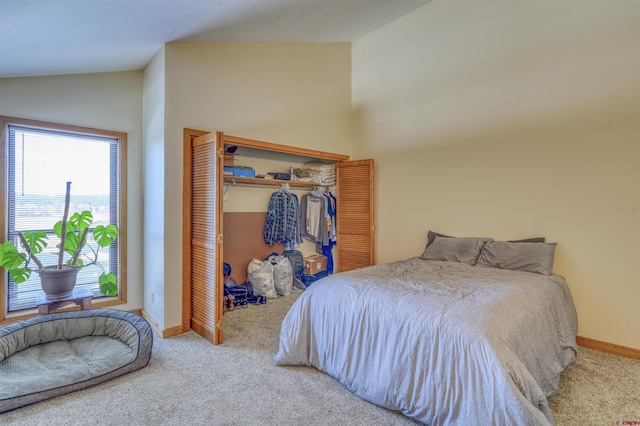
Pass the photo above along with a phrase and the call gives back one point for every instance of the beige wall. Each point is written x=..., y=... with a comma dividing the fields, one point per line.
x=512, y=120
x=109, y=101
x=153, y=102
x=295, y=94
x=506, y=119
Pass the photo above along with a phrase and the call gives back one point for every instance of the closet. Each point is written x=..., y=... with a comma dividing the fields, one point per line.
x=204, y=185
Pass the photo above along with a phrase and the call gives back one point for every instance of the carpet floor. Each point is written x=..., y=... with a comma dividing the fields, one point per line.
x=192, y=382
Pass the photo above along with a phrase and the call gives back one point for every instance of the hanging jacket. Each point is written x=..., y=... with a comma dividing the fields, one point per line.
x=282, y=223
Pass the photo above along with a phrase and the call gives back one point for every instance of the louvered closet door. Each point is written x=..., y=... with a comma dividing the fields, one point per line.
x=206, y=246
x=354, y=215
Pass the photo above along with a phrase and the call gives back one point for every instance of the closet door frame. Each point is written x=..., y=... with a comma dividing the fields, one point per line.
x=223, y=140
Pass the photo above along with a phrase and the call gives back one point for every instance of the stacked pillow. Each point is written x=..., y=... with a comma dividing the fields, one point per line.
x=463, y=250
x=529, y=255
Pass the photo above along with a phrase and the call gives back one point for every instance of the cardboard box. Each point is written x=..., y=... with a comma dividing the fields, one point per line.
x=314, y=264
x=229, y=159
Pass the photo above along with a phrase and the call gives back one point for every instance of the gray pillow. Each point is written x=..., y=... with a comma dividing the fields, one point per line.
x=521, y=256
x=464, y=250
x=431, y=236
x=529, y=240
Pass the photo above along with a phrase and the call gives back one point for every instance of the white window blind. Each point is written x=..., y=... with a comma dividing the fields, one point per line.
x=40, y=162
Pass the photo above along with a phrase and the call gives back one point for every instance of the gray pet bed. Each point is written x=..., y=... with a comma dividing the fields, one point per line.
x=50, y=355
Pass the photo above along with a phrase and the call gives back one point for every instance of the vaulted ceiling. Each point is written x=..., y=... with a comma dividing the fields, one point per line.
x=47, y=37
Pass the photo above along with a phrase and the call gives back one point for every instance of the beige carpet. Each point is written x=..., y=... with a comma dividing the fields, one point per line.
x=191, y=382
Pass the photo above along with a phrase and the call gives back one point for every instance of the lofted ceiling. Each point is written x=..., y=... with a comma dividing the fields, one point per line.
x=47, y=37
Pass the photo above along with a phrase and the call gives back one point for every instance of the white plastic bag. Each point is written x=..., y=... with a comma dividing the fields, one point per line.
x=282, y=275
x=260, y=274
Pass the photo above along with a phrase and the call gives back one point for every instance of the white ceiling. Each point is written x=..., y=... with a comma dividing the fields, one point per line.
x=47, y=37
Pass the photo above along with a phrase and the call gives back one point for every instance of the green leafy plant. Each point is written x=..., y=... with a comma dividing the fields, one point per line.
x=73, y=232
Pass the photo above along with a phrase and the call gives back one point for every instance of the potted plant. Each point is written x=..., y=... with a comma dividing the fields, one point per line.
x=59, y=280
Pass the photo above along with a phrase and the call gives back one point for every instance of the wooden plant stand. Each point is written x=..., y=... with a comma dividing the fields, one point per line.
x=80, y=296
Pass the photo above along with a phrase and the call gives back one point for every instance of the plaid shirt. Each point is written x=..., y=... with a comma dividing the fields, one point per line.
x=282, y=224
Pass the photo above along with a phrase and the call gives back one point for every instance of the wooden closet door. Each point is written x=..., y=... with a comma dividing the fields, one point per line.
x=203, y=259
x=354, y=215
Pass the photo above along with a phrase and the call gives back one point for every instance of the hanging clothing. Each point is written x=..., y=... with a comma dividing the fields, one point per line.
x=326, y=249
x=318, y=219
x=331, y=209
x=313, y=213
x=282, y=223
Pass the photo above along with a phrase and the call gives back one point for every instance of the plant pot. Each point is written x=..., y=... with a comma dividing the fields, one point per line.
x=58, y=284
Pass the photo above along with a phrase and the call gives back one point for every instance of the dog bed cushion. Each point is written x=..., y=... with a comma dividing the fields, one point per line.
x=50, y=355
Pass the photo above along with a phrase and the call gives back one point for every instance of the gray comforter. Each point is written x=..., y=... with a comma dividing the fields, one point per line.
x=442, y=342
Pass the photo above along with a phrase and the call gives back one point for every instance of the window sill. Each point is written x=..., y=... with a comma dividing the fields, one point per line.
x=103, y=302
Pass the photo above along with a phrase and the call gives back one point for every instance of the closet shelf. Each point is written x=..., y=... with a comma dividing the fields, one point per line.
x=240, y=180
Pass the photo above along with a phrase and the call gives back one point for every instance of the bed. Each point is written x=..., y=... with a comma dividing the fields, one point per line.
x=473, y=331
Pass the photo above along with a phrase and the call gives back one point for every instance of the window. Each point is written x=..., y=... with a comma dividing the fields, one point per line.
x=38, y=159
